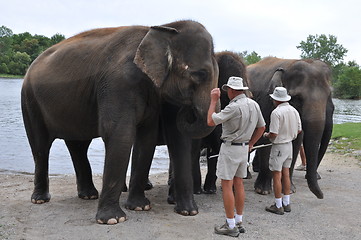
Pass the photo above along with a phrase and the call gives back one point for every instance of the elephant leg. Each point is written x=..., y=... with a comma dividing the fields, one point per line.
x=263, y=182
x=118, y=142
x=142, y=156
x=256, y=163
x=179, y=147
x=196, y=169
x=78, y=152
x=171, y=197
x=211, y=177
x=40, y=143
x=214, y=145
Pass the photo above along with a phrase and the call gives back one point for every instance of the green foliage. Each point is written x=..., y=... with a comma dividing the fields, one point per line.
x=346, y=137
x=18, y=51
x=324, y=48
x=348, y=84
x=250, y=58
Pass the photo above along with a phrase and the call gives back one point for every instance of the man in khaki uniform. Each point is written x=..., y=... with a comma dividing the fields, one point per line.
x=242, y=125
x=284, y=127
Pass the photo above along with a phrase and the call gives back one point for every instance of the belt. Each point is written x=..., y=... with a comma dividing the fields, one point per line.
x=235, y=143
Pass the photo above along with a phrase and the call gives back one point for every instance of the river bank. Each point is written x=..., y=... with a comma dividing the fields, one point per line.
x=68, y=217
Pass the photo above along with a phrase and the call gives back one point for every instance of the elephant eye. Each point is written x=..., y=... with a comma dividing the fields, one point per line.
x=199, y=76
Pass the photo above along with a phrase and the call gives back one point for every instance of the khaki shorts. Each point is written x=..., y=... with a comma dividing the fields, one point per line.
x=280, y=157
x=232, y=162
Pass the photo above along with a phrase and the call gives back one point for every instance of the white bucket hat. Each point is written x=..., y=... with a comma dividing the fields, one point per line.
x=280, y=94
x=235, y=83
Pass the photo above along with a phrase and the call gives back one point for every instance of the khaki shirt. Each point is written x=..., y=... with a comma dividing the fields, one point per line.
x=239, y=119
x=285, y=122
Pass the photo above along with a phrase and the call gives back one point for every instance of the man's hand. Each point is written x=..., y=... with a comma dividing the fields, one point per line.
x=215, y=94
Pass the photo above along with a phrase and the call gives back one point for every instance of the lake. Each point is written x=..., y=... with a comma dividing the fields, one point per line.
x=15, y=154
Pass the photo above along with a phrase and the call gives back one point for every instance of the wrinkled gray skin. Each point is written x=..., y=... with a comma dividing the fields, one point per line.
x=308, y=82
x=116, y=83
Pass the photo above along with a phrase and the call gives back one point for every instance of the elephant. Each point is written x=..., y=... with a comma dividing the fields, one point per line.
x=118, y=84
x=229, y=64
x=308, y=83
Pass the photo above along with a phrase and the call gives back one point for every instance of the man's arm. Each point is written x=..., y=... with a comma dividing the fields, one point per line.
x=215, y=95
x=270, y=135
x=257, y=134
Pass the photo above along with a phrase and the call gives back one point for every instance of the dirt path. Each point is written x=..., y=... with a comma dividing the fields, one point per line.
x=337, y=216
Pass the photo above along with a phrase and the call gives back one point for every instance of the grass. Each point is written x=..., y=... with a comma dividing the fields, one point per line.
x=346, y=139
x=10, y=76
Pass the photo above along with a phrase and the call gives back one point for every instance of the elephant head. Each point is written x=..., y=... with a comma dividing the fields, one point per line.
x=179, y=59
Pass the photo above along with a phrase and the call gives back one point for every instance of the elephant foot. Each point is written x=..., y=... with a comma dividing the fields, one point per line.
x=138, y=204
x=262, y=184
x=210, y=189
x=190, y=210
x=110, y=215
x=262, y=192
x=197, y=190
x=88, y=194
x=39, y=198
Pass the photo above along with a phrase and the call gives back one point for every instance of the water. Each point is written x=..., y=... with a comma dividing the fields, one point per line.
x=346, y=111
x=15, y=154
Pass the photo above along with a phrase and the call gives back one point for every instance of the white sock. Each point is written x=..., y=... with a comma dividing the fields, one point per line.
x=231, y=222
x=278, y=202
x=238, y=218
x=286, y=200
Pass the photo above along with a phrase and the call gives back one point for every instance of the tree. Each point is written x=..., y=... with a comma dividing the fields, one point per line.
x=5, y=40
x=5, y=32
x=324, y=48
x=57, y=38
x=251, y=58
x=348, y=84
x=19, y=63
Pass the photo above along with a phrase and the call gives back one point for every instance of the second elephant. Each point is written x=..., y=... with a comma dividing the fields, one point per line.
x=308, y=83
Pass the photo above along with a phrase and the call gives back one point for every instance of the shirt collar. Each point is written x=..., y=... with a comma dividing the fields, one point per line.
x=242, y=95
x=283, y=104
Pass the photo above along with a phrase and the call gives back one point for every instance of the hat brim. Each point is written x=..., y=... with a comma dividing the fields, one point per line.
x=284, y=99
x=225, y=87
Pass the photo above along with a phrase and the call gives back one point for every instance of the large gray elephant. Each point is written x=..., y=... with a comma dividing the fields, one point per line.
x=308, y=82
x=119, y=83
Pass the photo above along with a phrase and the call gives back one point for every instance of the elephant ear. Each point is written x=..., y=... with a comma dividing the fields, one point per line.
x=153, y=55
x=276, y=80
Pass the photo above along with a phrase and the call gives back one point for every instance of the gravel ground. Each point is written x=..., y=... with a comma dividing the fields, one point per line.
x=337, y=216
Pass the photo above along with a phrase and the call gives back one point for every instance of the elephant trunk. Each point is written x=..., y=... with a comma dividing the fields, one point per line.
x=312, y=138
x=192, y=121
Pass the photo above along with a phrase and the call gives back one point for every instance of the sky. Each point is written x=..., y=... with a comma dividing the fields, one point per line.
x=268, y=27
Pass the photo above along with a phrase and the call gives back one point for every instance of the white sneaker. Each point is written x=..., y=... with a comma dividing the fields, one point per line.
x=301, y=167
